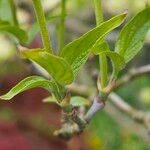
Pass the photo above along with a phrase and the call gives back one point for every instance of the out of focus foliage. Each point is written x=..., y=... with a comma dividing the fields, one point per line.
x=107, y=134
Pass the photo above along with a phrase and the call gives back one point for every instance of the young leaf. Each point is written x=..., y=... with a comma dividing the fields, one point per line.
x=103, y=46
x=15, y=31
x=131, y=38
x=29, y=83
x=76, y=52
x=117, y=60
x=77, y=101
x=56, y=66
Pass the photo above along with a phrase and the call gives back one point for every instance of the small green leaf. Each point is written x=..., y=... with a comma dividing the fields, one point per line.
x=56, y=66
x=103, y=46
x=28, y=83
x=117, y=60
x=79, y=101
x=76, y=52
x=15, y=31
x=131, y=38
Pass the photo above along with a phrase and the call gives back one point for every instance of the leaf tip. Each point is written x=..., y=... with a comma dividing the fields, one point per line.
x=4, y=97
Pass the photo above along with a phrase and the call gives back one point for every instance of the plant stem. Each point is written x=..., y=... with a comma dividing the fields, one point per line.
x=103, y=70
x=13, y=9
x=42, y=23
x=62, y=25
x=98, y=12
x=97, y=105
x=102, y=58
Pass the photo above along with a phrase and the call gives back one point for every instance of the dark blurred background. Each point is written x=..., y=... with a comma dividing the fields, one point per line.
x=26, y=123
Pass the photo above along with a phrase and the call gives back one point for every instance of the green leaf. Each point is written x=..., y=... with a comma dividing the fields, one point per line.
x=78, y=101
x=76, y=52
x=56, y=66
x=131, y=38
x=117, y=60
x=28, y=83
x=103, y=46
x=15, y=31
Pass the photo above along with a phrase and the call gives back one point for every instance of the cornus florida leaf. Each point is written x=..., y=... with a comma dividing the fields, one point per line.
x=78, y=101
x=117, y=60
x=29, y=83
x=76, y=52
x=131, y=38
x=15, y=31
x=56, y=66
